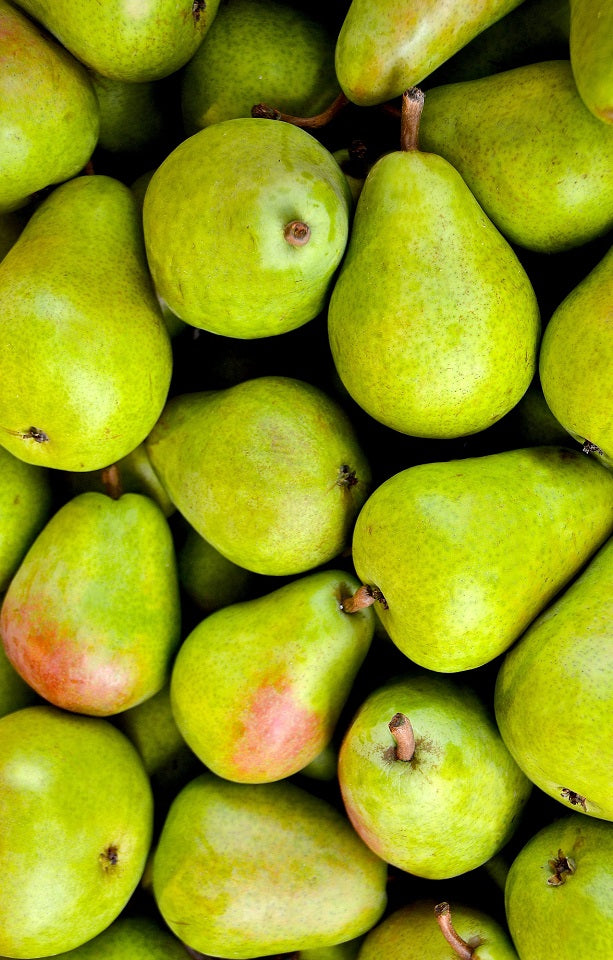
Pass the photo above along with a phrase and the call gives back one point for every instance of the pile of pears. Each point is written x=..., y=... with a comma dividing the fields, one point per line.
x=306, y=480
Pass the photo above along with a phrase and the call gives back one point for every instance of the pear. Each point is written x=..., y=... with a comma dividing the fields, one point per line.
x=576, y=360
x=417, y=754
x=533, y=421
x=45, y=138
x=536, y=159
x=385, y=46
x=76, y=810
x=464, y=554
x=269, y=471
x=243, y=870
x=207, y=577
x=433, y=322
x=131, y=117
x=132, y=474
x=25, y=506
x=257, y=687
x=127, y=41
x=15, y=693
x=85, y=356
x=91, y=619
x=558, y=891
x=263, y=209
x=554, y=693
x=591, y=55
x=411, y=932
x=11, y=225
x=259, y=51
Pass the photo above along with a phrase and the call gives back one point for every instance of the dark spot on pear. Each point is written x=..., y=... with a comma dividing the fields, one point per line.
x=562, y=867
x=576, y=799
x=346, y=477
x=109, y=857
x=590, y=447
x=198, y=8
x=33, y=433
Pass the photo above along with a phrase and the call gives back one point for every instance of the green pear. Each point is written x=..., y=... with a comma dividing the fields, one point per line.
x=131, y=118
x=86, y=359
x=48, y=136
x=208, y=578
x=259, y=51
x=91, y=619
x=465, y=553
x=591, y=55
x=413, y=932
x=263, y=209
x=76, y=810
x=243, y=870
x=576, y=361
x=127, y=41
x=385, y=46
x=11, y=225
x=269, y=471
x=417, y=754
x=257, y=687
x=536, y=159
x=131, y=474
x=433, y=322
x=15, y=693
x=558, y=892
x=25, y=505
x=554, y=693
x=533, y=421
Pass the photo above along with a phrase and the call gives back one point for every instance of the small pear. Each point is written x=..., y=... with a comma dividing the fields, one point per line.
x=591, y=55
x=131, y=118
x=25, y=506
x=207, y=577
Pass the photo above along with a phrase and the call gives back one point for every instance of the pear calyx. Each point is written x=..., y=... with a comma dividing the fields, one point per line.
x=465, y=950
x=576, y=799
x=412, y=106
x=34, y=433
x=401, y=730
x=297, y=233
x=111, y=481
x=198, y=7
x=109, y=857
x=590, y=447
x=562, y=867
x=263, y=111
x=364, y=596
x=346, y=476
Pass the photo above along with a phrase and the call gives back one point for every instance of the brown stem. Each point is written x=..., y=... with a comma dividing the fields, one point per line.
x=88, y=169
x=412, y=106
x=111, y=481
x=363, y=597
x=263, y=111
x=297, y=233
x=442, y=913
x=401, y=729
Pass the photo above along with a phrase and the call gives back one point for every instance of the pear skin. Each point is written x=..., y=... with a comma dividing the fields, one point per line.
x=591, y=55
x=25, y=506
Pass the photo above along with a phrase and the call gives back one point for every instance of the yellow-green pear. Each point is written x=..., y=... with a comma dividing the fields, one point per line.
x=131, y=117
x=591, y=55
x=25, y=505
x=207, y=577
x=129, y=938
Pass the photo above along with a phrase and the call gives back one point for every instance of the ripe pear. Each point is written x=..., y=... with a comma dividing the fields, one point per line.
x=127, y=41
x=131, y=474
x=554, y=693
x=259, y=52
x=76, y=810
x=558, y=892
x=385, y=46
x=243, y=870
x=536, y=159
x=207, y=577
x=91, y=619
x=433, y=322
x=47, y=137
x=25, y=506
x=591, y=55
x=86, y=359
x=269, y=471
x=257, y=687
x=464, y=554
x=245, y=223
x=576, y=361
x=417, y=754
x=131, y=117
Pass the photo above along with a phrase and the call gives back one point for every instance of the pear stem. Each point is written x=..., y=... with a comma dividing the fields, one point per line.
x=363, y=597
x=297, y=233
x=263, y=111
x=442, y=913
x=111, y=481
x=412, y=106
x=401, y=730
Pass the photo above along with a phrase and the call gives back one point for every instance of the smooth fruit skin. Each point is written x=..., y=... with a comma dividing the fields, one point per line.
x=591, y=55
x=25, y=505
x=129, y=938
x=257, y=687
x=576, y=360
x=571, y=919
x=76, y=810
x=243, y=870
x=554, y=693
x=214, y=217
x=468, y=552
x=419, y=815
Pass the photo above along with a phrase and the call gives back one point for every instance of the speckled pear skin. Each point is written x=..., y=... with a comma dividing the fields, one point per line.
x=591, y=55
x=91, y=619
x=259, y=52
x=214, y=217
x=129, y=938
x=50, y=115
x=385, y=47
x=25, y=505
x=128, y=41
x=243, y=870
x=468, y=552
x=433, y=323
x=257, y=687
x=269, y=471
x=85, y=356
x=414, y=928
x=557, y=921
x=576, y=360
x=536, y=159
x=73, y=786
x=565, y=656
x=419, y=815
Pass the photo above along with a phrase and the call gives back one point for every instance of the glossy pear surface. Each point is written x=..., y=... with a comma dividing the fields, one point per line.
x=591, y=55
x=129, y=938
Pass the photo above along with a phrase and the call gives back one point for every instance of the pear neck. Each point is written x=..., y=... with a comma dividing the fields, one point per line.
x=412, y=106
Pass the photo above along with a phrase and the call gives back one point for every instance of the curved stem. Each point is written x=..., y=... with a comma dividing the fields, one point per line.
x=111, y=481
x=401, y=729
x=363, y=597
x=412, y=106
x=442, y=913
x=297, y=233
x=263, y=111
